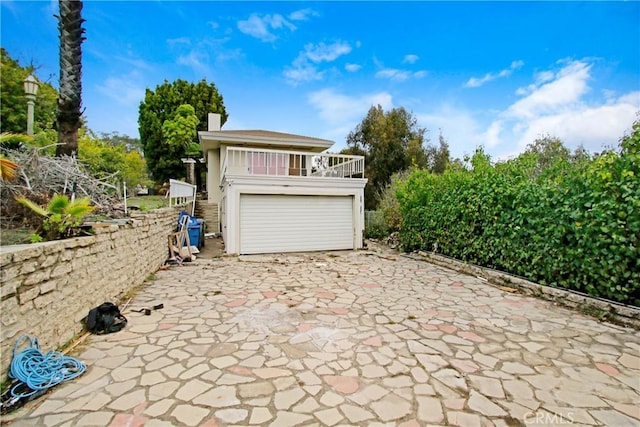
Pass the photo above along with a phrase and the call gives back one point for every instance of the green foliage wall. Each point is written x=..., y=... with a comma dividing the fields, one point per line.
x=562, y=221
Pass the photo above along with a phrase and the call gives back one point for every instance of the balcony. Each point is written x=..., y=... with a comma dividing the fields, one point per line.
x=281, y=163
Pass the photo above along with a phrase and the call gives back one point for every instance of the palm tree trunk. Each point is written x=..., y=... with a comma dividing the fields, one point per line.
x=70, y=99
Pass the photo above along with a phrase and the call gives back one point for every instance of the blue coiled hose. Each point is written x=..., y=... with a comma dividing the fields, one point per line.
x=40, y=371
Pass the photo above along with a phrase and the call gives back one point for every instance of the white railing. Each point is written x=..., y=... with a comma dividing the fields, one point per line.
x=182, y=193
x=266, y=162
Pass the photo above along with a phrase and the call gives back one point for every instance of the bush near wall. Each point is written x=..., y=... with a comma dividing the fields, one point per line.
x=573, y=223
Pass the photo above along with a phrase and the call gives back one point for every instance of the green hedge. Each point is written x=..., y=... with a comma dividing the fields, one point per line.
x=572, y=223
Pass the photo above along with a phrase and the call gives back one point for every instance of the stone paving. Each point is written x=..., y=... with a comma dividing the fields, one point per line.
x=367, y=338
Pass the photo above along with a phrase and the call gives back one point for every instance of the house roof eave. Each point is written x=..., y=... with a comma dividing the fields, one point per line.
x=210, y=140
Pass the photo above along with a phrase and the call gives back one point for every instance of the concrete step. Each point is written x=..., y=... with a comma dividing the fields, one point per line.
x=209, y=213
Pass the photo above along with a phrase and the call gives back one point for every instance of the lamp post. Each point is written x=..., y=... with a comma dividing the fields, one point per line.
x=30, y=90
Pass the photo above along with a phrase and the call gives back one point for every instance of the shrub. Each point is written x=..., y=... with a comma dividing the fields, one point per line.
x=60, y=218
x=389, y=206
x=561, y=221
x=375, y=227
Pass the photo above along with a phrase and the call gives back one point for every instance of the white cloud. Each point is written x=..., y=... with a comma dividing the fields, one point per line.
x=125, y=90
x=217, y=47
x=477, y=82
x=325, y=53
x=302, y=73
x=491, y=137
x=568, y=86
x=393, y=74
x=555, y=105
x=631, y=98
x=341, y=112
x=302, y=14
x=410, y=59
x=544, y=76
x=224, y=55
x=303, y=69
x=196, y=60
x=399, y=75
x=179, y=41
x=352, y=67
x=136, y=63
x=558, y=102
x=460, y=128
x=203, y=55
x=593, y=127
x=262, y=26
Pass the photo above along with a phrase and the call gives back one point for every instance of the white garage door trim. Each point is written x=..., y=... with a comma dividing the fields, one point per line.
x=272, y=223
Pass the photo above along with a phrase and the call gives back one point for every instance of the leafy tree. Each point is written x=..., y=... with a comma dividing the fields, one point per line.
x=100, y=158
x=134, y=171
x=391, y=142
x=549, y=151
x=70, y=100
x=182, y=129
x=103, y=158
x=114, y=138
x=13, y=105
x=580, y=154
x=160, y=105
x=441, y=157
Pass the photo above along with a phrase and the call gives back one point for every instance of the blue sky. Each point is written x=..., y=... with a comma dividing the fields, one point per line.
x=496, y=74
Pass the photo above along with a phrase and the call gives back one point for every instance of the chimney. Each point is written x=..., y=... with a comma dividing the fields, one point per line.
x=213, y=122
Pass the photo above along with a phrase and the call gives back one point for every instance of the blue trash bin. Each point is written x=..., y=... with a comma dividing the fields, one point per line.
x=194, y=228
x=194, y=236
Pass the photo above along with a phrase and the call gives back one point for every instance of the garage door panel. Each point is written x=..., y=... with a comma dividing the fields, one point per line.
x=279, y=223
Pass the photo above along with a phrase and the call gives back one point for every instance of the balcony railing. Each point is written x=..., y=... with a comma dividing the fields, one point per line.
x=265, y=162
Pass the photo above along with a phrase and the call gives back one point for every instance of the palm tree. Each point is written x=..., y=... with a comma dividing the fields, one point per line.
x=61, y=217
x=9, y=168
x=70, y=98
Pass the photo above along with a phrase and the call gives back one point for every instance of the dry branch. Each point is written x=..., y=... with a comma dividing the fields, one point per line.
x=41, y=176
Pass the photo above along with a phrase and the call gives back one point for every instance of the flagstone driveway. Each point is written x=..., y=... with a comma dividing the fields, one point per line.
x=347, y=338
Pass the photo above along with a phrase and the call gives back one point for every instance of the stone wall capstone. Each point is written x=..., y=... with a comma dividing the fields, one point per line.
x=47, y=289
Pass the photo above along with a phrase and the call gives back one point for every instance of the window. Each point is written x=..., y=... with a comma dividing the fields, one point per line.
x=265, y=163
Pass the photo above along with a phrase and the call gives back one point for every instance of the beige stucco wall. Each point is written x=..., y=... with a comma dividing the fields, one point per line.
x=48, y=288
x=213, y=176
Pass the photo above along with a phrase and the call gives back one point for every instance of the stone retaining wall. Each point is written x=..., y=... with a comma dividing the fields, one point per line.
x=48, y=288
x=602, y=309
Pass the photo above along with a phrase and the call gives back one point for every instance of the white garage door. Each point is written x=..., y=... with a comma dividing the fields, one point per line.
x=283, y=223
